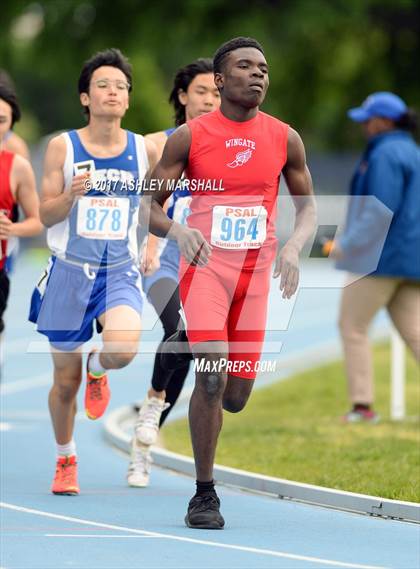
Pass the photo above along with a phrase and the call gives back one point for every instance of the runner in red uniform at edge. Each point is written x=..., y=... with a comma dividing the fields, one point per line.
x=17, y=188
x=229, y=244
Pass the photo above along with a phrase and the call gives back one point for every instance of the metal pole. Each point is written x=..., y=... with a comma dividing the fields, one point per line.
x=397, y=376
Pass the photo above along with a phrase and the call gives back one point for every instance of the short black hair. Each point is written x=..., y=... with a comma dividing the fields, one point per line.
x=5, y=79
x=112, y=57
x=408, y=121
x=183, y=78
x=231, y=45
x=8, y=95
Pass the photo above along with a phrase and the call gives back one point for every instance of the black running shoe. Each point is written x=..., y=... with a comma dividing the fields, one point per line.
x=203, y=512
x=175, y=351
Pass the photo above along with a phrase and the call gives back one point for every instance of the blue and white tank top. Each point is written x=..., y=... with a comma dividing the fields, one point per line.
x=179, y=201
x=178, y=210
x=101, y=226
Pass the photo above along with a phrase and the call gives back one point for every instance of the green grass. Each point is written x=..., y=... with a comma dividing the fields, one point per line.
x=292, y=430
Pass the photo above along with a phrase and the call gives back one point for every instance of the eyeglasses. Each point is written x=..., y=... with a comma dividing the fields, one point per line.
x=106, y=83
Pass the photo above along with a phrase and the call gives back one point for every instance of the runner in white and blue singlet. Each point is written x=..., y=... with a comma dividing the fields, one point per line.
x=193, y=93
x=96, y=244
x=90, y=199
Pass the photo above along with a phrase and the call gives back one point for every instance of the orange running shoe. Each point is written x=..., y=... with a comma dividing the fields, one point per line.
x=97, y=394
x=65, y=481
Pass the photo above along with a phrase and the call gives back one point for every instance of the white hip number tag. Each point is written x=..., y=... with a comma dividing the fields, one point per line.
x=182, y=210
x=239, y=227
x=103, y=218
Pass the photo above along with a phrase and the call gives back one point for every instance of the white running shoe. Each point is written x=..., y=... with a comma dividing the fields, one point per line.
x=140, y=465
x=147, y=424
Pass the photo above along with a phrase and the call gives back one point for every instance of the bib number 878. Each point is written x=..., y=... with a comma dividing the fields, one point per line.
x=238, y=229
x=95, y=219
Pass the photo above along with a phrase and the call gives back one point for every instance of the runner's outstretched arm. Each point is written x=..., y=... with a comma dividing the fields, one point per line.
x=27, y=198
x=299, y=183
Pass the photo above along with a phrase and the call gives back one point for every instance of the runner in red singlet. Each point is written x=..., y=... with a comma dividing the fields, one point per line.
x=17, y=187
x=12, y=141
x=229, y=244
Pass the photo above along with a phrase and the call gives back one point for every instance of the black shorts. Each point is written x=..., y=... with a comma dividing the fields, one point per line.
x=4, y=295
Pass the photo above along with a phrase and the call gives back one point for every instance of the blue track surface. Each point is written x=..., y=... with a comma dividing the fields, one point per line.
x=112, y=526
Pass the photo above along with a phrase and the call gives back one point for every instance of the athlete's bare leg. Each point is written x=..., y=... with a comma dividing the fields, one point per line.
x=213, y=392
x=205, y=413
x=158, y=394
x=120, y=336
x=237, y=393
x=62, y=397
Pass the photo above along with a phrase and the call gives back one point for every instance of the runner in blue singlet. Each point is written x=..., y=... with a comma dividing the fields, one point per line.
x=90, y=199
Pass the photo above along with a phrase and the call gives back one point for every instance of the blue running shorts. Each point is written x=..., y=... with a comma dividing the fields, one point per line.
x=66, y=302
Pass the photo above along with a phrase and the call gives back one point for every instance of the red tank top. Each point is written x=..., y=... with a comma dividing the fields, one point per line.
x=245, y=159
x=7, y=200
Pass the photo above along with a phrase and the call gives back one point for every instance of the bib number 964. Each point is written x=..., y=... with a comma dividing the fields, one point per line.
x=239, y=227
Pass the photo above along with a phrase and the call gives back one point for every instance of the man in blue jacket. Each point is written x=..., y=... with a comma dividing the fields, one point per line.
x=381, y=240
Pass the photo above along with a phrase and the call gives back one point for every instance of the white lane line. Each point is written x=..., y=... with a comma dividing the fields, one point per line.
x=11, y=387
x=25, y=415
x=21, y=416
x=268, y=552
x=146, y=348
x=101, y=535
